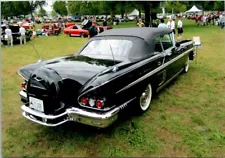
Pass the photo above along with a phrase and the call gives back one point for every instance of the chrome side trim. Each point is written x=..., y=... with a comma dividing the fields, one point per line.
x=154, y=71
x=95, y=119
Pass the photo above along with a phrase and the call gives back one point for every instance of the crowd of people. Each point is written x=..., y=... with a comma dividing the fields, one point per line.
x=170, y=24
x=214, y=19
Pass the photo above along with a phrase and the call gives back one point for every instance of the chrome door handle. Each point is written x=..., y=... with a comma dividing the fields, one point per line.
x=159, y=63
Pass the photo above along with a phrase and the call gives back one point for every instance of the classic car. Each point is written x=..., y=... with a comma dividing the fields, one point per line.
x=101, y=28
x=75, y=30
x=82, y=31
x=55, y=29
x=113, y=70
x=15, y=34
x=69, y=24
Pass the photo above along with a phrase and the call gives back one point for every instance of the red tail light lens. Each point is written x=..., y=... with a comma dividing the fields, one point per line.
x=84, y=101
x=23, y=85
x=99, y=103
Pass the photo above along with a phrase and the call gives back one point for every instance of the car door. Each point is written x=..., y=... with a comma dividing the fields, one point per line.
x=74, y=31
x=171, y=62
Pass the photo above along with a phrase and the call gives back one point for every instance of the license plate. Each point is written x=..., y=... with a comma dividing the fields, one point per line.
x=36, y=104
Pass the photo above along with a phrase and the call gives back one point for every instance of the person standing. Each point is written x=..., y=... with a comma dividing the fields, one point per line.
x=173, y=26
x=22, y=32
x=168, y=25
x=105, y=24
x=140, y=23
x=8, y=33
x=223, y=21
x=162, y=24
x=180, y=28
x=93, y=31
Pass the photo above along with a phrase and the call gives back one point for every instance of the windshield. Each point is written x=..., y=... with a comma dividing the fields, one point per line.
x=104, y=48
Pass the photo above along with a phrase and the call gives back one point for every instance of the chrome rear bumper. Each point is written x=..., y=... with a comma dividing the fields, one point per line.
x=100, y=120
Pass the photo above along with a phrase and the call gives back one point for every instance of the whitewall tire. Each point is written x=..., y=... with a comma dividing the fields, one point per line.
x=145, y=99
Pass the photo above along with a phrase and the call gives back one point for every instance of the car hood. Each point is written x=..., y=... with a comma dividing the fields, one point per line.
x=78, y=68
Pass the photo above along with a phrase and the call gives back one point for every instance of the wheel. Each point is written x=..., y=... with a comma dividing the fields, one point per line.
x=186, y=67
x=143, y=101
x=82, y=35
x=69, y=34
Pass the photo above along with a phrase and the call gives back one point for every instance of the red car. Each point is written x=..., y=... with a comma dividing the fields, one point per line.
x=69, y=24
x=102, y=27
x=56, y=29
x=76, y=30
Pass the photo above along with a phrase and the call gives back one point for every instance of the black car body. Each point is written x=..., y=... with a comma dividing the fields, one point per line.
x=114, y=69
x=15, y=34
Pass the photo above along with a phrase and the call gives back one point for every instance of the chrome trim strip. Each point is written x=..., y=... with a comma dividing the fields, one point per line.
x=21, y=76
x=78, y=115
x=154, y=71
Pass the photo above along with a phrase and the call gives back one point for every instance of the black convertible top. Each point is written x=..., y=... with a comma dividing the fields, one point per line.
x=143, y=39
x=146, y=33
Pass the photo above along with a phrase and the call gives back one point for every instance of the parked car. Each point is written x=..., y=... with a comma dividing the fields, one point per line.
x=101, y=28
x=82, y=31
x=76, y=30
x=69, y=24
x=113, y=70
x=15, y=33
x=55, y=29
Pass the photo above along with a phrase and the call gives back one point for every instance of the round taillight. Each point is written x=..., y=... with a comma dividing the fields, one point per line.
x=99, y=103
x=84, y=101
x=23, y=85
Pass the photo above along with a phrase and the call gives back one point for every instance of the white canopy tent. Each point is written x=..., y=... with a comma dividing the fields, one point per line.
x=194, y=9
x=134, y=12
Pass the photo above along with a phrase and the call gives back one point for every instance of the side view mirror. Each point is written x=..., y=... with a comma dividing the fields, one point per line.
x=177, y=45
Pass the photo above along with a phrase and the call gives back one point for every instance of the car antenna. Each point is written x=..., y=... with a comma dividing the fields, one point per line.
x=40, y=59
x=114, y=68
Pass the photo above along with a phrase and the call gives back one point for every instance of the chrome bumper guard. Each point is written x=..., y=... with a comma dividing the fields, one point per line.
x=100, y=120
x=23, y=95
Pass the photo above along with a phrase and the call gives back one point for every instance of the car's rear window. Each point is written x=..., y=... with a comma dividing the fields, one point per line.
x=104, y=48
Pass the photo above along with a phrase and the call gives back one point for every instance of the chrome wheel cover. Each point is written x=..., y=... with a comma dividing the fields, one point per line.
x=145, y=98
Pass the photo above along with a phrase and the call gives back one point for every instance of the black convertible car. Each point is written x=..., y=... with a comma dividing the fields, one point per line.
x=113, y=69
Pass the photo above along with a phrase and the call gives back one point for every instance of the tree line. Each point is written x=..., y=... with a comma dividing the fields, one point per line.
x=63, y=8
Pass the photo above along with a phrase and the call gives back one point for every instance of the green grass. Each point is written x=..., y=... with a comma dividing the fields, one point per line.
x=187, y=118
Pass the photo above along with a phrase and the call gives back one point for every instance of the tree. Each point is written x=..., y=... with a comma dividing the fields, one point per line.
x=60, y=8
x=15, y=8
x=42, y=12
x=32, y=5
x=53, y=13
x=219, y=5
x=175, y=7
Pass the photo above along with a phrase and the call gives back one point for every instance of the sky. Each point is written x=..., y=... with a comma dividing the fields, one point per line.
x=48, y=7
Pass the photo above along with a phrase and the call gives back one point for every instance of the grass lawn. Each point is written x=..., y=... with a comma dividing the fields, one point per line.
x=187, y=118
